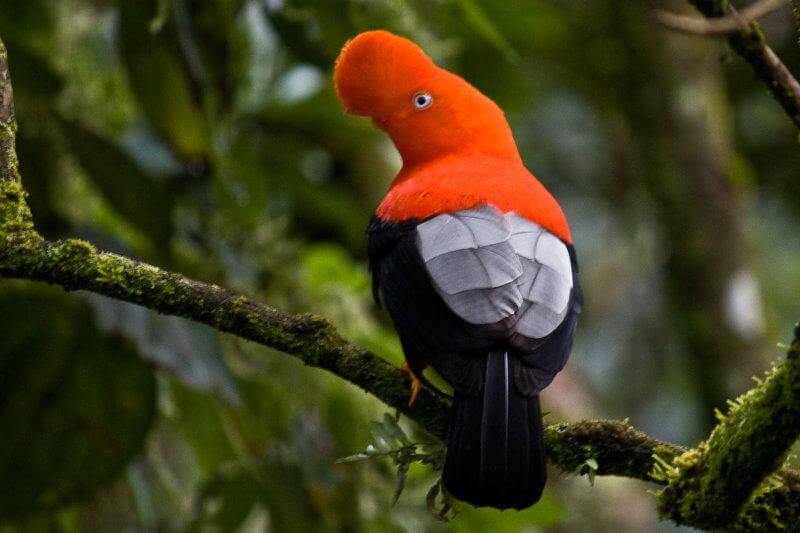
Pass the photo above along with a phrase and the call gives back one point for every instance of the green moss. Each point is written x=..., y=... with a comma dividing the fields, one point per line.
x=79, y=247
x=614, y=446
x=253, y=317
x=14, y=213
x=238, y=304
x=760, y=516
x=709, y=486
x=683, y=476
x=111, y=271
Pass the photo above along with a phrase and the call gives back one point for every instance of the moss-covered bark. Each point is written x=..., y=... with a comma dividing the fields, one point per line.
x=617, y=449
x=14, y=213
x=709, y=485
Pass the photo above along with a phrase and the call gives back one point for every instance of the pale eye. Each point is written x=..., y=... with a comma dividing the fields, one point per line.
x=422, y=100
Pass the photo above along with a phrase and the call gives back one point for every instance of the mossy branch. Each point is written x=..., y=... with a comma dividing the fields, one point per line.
x=740, y=454
x=748, y=41
x=714, y=481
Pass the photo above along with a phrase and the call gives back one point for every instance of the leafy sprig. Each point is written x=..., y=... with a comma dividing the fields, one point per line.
x=390, y=440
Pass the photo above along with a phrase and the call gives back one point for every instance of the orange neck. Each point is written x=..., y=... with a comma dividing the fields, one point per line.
x=453, y=183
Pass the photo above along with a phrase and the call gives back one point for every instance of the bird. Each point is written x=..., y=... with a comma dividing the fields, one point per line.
x=472, y=258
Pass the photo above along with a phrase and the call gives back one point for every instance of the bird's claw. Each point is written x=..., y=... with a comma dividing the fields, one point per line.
x=416, y=384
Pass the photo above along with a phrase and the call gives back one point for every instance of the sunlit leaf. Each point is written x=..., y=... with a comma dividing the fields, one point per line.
x=353, y=458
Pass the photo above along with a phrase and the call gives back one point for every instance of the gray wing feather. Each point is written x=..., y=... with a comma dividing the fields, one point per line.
x=524, y=235
x=487, y=266
x=550, y=289
x=552, y=252
x=546, y=281
x=474, y=268
x=485, y=306
x=470, y=229
x=471, y=263
x=537, y=321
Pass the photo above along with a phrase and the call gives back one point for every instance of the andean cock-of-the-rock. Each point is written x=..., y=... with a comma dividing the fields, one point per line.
x=473, y=259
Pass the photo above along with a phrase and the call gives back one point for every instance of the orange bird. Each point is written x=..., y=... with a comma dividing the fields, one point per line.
x=474, y=260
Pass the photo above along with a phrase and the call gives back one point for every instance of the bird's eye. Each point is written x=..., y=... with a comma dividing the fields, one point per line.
x=422, y=100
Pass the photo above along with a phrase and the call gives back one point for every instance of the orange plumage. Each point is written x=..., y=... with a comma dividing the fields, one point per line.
x=458, y=153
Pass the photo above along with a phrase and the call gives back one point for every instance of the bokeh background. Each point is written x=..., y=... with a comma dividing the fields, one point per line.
x=205, y=137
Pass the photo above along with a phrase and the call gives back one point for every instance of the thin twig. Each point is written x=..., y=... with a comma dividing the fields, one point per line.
x=719, y=25
x=749, y=43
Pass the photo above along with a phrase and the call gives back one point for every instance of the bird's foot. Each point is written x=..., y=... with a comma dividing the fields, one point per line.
x=416, y=384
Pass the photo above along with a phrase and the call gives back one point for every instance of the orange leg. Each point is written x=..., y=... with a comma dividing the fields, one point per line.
x=416, y=384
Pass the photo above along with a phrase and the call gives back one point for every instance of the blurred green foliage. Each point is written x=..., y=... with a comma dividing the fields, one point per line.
x=76, y=405
x=204, y=136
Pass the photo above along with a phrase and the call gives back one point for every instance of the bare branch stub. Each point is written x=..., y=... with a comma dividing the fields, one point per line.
x=719, y=25
x=748, y=42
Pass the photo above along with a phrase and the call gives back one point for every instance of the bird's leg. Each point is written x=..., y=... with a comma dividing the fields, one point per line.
x=416, y=384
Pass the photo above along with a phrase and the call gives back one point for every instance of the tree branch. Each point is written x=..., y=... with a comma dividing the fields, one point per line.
x=719, y=25
x=748, y=41
x=615, y=447
x=716, y=479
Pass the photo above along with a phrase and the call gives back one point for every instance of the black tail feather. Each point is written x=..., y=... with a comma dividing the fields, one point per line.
x=496, y=453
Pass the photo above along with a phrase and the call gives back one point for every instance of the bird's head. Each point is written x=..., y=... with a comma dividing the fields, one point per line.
x=427, y=111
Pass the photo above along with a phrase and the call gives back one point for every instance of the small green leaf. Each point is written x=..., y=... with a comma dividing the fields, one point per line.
x=402, y=475
x=355, y=458
x=430, y=498
x=591, y=469
x=393, y=430
x=433, y=448
x=381, y=440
